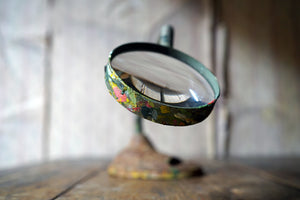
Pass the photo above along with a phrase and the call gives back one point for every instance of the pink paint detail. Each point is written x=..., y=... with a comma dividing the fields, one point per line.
x=212, y=101
x=136, y=109
x=148, y=105
x=121, y=97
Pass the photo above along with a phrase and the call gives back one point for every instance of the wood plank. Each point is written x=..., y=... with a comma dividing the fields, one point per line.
x=45, y=181
x=85, y=120
x=22, y=53
x=279, y=169
x=87, y=179
x=221, y=181
x=263, y=76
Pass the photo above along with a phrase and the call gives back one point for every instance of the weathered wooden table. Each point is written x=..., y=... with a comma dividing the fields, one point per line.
x=87, y=179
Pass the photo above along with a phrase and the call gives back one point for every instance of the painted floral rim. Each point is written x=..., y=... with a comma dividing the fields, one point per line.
x=151, y=109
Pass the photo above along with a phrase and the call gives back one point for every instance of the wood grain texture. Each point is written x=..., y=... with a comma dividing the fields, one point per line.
x=45, y=181
x=22, y=52
x=87, y=179
x=280, y=169
x=236, y=184
x=263, y=76
x=85, y=120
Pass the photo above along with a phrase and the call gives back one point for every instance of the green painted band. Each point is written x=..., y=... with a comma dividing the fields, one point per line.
x=152, y=109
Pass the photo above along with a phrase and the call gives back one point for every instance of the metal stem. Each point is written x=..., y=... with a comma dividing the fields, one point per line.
x=166, y=36
x=139, y=125
x=165, y=39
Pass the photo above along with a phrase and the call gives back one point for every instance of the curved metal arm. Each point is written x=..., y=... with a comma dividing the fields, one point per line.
x=165, y=39
x=138, y=125
x=166, y=36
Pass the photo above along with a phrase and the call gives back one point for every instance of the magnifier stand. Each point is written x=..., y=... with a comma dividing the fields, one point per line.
x=140, y=160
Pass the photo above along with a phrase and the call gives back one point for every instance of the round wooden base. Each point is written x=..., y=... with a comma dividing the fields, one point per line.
x=141, y=161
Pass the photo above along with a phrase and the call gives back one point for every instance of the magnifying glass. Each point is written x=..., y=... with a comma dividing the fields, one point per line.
x=160, y=83
x=163, y=85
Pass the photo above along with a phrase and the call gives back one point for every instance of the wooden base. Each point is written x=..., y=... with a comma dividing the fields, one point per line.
x=139, y=160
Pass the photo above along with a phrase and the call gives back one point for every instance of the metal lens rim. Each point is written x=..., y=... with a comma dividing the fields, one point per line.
x=199, y=67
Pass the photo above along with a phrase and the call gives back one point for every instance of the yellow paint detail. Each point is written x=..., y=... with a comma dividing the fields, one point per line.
x=164, y=109
x=113, y=74
x=144, y=175
x=151, y=104
x=167, y=175
x=134, y=174
x=111, y=170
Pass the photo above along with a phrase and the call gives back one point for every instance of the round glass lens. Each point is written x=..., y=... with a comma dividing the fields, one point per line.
x=163, y=78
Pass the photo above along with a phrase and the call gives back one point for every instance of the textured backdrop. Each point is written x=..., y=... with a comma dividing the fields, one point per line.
x=54, y=103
